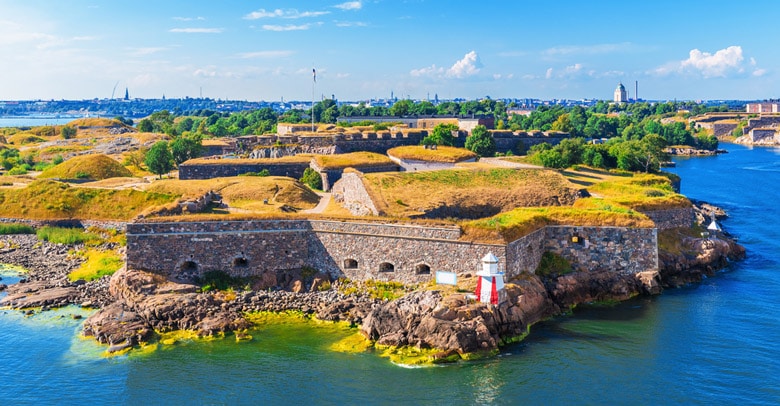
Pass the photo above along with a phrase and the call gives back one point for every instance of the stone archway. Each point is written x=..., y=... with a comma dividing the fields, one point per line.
x=240, y=262
x=386, y=267
x=422, y=269
x=350, y=263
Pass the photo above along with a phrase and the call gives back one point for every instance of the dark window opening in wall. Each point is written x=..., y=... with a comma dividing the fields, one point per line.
x=350, y=264
x=422, y=269
x=386, y=267
x=189, y=266
x=240, y=262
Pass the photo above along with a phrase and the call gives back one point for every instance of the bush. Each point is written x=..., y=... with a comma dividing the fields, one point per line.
x=553, y=264
x=19, y=170
x=60, y=235
x=219, y=280
x=15, y=228
x=312, y=179
x=263, y=172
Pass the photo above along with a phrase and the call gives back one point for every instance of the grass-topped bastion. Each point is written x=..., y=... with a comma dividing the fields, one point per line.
x=441, y=154
x=87, y=167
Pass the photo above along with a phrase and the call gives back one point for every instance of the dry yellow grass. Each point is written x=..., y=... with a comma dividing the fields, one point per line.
x=471, y=191
x=246, y=193
x=440, y=154
x=44, y=199
x=96, y=122
x=301, y=158
x=212, y=142
x=115, y=183
x=91, y=166
x=353, y=159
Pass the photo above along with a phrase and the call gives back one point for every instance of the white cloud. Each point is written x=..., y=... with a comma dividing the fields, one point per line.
x=432, y=70
x=549, y=73
x=350, y=5
x=269, y=27
x=720, y=64
x=351, y=24
x=197, y=30
x=279, y=13
x=265, y=54
x=145, y=51
x=343, y=75
x=189, y=18
x=588, y=49
x=468, y=66
x=759, y=72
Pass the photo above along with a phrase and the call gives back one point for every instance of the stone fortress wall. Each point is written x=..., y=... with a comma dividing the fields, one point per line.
x=362, y=251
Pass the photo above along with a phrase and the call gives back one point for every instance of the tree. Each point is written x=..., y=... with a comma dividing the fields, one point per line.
x=183, y=149
x=481, y=142
x=311, y=178
x=441, y=135
x=402, y=108
x=159, y=159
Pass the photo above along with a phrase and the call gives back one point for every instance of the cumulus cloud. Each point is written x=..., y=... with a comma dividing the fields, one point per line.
x=265, y=54
x=468, y=66
x=710, y=65
x=279, y=13
x=197, y=30
x=350, y=5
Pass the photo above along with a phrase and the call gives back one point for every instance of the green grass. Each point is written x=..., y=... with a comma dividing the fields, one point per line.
x=60, y=235
x=15, y=228
x=97, y=265
x=353, y=159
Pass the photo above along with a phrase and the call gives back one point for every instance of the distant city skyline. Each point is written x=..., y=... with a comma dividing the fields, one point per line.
x=238, y=50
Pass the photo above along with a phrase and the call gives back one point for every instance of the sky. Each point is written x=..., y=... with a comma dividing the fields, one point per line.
x=368, y=49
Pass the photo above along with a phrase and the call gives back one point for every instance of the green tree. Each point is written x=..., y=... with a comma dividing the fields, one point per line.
x=183, y=149
x=441, y=135
x=481, y=142
x=312, y=179
x=402, y=108
x=158, y=159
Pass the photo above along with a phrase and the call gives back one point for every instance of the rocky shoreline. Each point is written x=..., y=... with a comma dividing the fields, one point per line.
x=135, y=305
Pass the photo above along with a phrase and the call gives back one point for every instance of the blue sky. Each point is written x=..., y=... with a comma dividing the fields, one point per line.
x=265, y=50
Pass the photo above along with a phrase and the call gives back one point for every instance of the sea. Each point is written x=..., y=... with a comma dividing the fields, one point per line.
x=714, y=342
x=34, y=121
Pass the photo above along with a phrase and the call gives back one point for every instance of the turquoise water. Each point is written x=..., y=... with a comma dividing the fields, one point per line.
x=710, y=343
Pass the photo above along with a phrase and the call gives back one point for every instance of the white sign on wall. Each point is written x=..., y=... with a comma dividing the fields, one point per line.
x=446, y=278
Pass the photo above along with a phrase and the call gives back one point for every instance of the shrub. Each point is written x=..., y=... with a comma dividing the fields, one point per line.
x=60, y=235
x=15, y=228
x=312, y=179
x=219, y=280
x=19, y=170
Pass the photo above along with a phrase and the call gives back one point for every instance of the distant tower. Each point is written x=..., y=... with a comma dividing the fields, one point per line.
x=620, y=94
x=127, y=94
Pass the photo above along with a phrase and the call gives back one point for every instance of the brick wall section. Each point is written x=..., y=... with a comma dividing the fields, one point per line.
x=618, y=249
x=210, y=171
x=671, y=218
x=351, y=193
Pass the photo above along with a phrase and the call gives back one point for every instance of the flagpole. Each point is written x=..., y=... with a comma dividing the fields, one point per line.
x=313, y=82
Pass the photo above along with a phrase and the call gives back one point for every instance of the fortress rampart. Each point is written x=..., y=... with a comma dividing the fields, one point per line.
x=361, y=251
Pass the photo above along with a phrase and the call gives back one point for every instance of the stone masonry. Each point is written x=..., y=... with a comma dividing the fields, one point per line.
x=361, y=251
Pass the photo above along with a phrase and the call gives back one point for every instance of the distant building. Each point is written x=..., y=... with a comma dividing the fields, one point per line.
x=621, y=96
x=765, y=107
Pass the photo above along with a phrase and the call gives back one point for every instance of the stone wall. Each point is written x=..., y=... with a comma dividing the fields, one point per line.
x=671, y=218
x=723, y=129
x=227, y=169
x=406, y=253
x=525, y=253
x=69, y=223
x=351, y=193
x=618, y=249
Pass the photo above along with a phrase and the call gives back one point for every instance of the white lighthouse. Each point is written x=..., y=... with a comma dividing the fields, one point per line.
x=490, y=283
